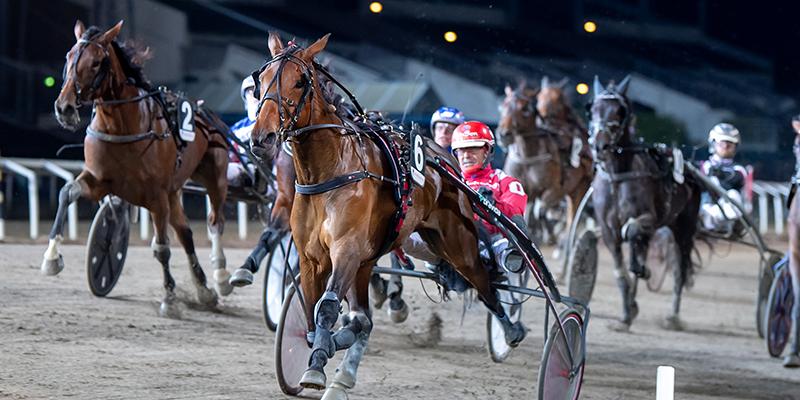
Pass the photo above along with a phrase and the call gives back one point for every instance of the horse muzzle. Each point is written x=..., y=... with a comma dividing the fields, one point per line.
x=67, y=115
x=264, y=145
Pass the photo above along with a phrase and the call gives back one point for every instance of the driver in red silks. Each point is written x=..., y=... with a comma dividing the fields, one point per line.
x=473, y=146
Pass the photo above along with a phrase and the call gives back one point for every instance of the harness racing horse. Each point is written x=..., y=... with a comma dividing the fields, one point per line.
x=547, y=145
x=131, y=150
x=635, y=194
x=344, y=207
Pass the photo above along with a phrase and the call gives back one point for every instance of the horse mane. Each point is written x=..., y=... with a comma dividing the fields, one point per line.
x=131, y=56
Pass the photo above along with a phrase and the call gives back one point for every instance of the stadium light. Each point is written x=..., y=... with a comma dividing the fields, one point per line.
x=590, y=26
x=450, y=36
x=49, y=81
x=376, y=7
x=582, y=88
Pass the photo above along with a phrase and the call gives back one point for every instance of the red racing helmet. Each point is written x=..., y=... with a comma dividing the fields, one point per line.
x=472, y=134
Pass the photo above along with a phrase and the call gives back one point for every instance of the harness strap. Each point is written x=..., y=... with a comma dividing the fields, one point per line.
x=339, y=181
x=125, y=138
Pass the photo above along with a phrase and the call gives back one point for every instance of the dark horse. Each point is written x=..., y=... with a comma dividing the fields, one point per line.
x=131, y=151
x=539, y=128
x=635, y=194
x=344, y=208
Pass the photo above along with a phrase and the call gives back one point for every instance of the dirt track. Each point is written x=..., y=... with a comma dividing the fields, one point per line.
x=59, y=341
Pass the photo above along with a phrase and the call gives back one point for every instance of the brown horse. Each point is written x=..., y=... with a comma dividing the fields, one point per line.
x=341, y=218
x=792, y=360
x=132, y=152
x=540, y=128
x=634, y=195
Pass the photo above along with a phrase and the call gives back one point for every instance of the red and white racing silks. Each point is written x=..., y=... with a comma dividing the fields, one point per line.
x=510, y=197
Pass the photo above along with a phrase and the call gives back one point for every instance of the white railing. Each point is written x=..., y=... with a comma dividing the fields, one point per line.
x=774, y=194
x=32, y=169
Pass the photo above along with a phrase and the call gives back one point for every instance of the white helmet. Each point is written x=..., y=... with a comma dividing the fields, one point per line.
x=723, y=132
x=247, y=83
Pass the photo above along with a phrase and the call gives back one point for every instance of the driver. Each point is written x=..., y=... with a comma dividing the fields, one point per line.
x=443, y=122
x=473, y=146
x=720, y=216
x=237, y=175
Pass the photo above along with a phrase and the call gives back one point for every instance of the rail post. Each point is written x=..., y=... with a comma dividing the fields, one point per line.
x=33, y=194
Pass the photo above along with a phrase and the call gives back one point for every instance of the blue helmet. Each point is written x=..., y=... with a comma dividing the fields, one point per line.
x=450, y=115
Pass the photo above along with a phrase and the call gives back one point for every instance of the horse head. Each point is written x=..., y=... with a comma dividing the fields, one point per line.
x=87, y=65
x=285, y=87
x=610, y=115
x=517, y=113
x=551, y=102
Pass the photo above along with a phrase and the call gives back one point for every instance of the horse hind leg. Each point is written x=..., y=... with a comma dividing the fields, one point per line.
x=354, y=335
x=205, y=296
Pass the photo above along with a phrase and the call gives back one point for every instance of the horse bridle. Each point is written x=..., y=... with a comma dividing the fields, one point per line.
x=105, y=65
x=306, y=82
x=616, y=129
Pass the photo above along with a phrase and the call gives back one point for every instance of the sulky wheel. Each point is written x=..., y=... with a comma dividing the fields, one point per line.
x=498, y=348
x=765, y=279
x=662, y=257
x=778, y=321
x=277, y=280
x=563, y=359
x=107, y=245
x=583, y=267
x=292, y=349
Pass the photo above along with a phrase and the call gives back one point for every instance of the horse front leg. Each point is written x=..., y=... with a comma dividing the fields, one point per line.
x=792, y=359
x=160, y=211
x=627, y=289
x=354, y=334
x=84, y=186
x=345, y=261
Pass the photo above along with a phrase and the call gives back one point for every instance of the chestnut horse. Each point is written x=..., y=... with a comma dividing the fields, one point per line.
x=540, y=129
x=634, y=195
x=341, y=225
x=132, y=152
x=792, y=360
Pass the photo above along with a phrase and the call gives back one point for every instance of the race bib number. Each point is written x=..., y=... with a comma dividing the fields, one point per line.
x=185, y=120
x=417, y=158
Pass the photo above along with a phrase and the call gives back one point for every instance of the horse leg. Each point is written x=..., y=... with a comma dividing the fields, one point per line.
x=84, y=186
x=160, y=245
x=177, y=219
x=356, y=331
x=278, y=226
x=345, y=258
x=216, y=225
x=626, y=288
x=461, y=251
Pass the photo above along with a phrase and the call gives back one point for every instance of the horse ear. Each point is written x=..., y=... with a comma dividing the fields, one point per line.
x=509, y=90
x=112, y=33
x=545, y=82
x=79, y=29
x=796, y=126
x=622, y=87
x=274, y=43
x=598, y=87
x=316, y=47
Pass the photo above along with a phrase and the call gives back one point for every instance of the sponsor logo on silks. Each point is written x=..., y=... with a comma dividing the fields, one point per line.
x=489, y=205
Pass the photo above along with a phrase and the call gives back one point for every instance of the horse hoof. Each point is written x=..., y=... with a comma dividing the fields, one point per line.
x=620, y=326
x=169, y=309
x=400, y=314
x=241, y=277
x=53, y=267
x=313, y=379
x=672, y=323
x=516, y=334
x=221, y=277
x=791, y=361
x=335, y=392
x=206, y=297
x=344, y=379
